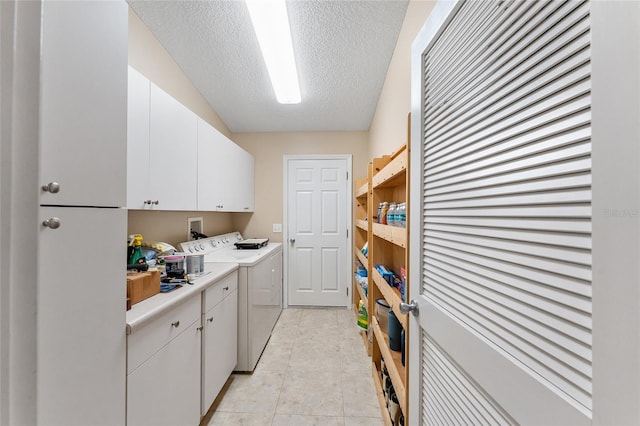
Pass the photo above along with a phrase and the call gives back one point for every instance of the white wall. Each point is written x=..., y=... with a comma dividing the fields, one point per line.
x=19, y=100
x=268, y=150
x=150, y=58
x=388, y=129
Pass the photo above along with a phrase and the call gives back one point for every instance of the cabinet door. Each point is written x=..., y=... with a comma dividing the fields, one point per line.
x=215, y=169
x=81, y=317
x=173, y=154
x=276, y=278
x=84, y=103
x=220, y=347
x=138, y=141
x=244, y=175
x=165, y=390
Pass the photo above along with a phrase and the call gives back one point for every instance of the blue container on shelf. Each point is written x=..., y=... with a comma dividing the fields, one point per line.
x=395, y=331
x=402, y=345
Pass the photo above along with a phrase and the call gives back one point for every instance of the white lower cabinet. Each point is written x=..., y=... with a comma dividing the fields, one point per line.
x=220, y=343
x=81, y=329
x=163, y=357
x=165, y=389
x=178, y=362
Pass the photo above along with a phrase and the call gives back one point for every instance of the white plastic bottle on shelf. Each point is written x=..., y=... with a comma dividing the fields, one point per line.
x=401, y=215
x=391, y=214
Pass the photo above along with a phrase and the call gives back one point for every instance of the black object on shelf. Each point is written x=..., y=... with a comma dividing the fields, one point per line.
x=395, y=330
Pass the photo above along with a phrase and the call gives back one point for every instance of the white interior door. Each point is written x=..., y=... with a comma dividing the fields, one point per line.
x=317, y=221
x=501, y=208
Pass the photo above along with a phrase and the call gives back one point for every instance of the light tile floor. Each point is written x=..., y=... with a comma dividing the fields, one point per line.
x=314, y=371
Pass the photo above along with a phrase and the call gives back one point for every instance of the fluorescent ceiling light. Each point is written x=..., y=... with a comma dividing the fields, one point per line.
x=271, y=24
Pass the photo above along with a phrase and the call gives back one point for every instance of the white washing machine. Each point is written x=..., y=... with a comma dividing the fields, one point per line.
x=259, y=288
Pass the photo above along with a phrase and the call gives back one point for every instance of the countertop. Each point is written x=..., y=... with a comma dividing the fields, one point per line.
x=146, y=311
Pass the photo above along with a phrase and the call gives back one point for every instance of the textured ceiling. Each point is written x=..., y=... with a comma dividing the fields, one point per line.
x=342, y=48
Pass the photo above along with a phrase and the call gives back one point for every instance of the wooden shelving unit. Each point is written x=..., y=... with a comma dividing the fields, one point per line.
x=388, y=246
x=362, y=232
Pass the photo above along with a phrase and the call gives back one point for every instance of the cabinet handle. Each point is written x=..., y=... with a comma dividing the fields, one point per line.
x=199, y=328
x=225, y=288
x=147, y=202
x=156, y=202
x=52, y=223
x=175, y=324
x=52, y=187
x=210, y=319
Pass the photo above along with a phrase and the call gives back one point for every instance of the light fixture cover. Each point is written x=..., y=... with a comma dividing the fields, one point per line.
x=271, y=24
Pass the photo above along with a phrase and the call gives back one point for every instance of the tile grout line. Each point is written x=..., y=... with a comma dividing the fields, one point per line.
x=284, y=376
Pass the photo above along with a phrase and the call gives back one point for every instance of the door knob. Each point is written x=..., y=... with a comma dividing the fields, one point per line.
x=412, y=307
x=53, y=223
x=292, y=240
x=52, y=187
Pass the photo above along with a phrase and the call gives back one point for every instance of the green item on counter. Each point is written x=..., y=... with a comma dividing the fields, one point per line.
x=137, y=256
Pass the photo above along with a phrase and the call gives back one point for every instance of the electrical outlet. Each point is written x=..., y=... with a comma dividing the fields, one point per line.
x=195, y=224
x=277, y=227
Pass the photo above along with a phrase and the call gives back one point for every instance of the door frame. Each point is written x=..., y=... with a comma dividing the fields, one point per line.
x=285, y=230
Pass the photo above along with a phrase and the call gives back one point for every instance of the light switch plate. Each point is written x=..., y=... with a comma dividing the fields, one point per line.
x=277, y=227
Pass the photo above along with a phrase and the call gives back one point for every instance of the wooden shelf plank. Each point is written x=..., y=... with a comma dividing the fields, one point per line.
x=362, y=259
x=391, y=295
x=361, y=293
x=365, y=341
x=394, y=173
x=394, y=234
x=363, y=334
x=362, y=224
x=377, y=381
x=393, y=362
x=362, y=186
x=362, y=191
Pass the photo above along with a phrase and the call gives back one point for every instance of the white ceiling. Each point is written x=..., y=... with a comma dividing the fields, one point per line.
x=342, y=47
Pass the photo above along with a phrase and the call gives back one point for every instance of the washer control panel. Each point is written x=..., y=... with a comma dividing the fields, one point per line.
x=211, y=244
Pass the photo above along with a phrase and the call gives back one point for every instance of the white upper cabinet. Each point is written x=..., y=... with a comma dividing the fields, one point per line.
x=173, y=176
x=177, y=161
x=244, y=175
x=138, y=143
x=225, y=172
x=83, y=103
x=215, y=168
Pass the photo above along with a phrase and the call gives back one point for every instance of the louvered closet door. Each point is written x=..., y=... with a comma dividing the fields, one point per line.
x=504, y=283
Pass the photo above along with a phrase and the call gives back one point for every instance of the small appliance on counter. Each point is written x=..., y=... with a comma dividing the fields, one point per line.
x=252, y=243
